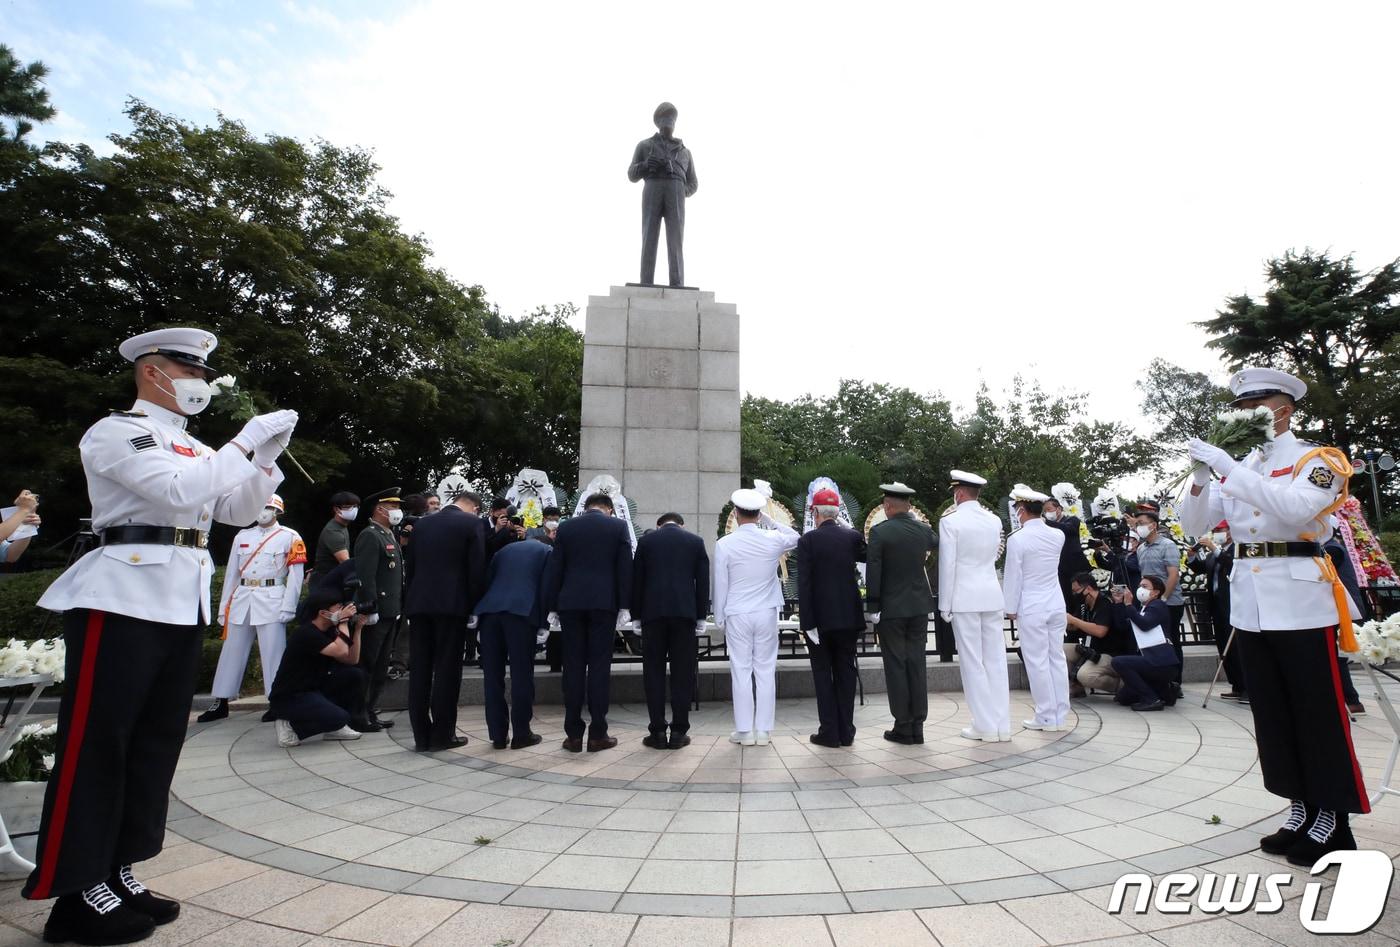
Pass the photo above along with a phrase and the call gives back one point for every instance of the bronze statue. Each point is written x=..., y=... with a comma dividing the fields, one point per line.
x=665, y=162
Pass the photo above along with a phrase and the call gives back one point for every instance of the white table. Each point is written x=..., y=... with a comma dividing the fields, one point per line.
x=11, y=862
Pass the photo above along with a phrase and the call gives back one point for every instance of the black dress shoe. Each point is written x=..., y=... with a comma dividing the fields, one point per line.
x=1307, y=849
x=1176, y=690
x=137, y=896
x=899, y=738
x=655, y=741
x=380, y=722
x=96, y=916
x=1146, y=705
x=529, y=739
x=499, y=744
x=451, y=744
x=365, y=726
x=820, y=740
x=573, y=744
x=1281, y=841
x=677, y=742
x=218, y=711
x=606, y=743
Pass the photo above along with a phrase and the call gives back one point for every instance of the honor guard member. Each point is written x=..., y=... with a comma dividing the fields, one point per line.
x=262, y=585
x=970, y=599
x=136, y=609
x=898, y=602
x=379, y=564
x=1288, y=608
x=1035, y=601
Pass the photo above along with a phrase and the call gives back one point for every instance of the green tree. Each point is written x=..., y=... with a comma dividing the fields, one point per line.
x=1331, y=325
x=23, y=98
x=1183, y=403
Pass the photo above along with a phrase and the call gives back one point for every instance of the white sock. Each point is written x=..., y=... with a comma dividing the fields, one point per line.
x=1297, y=815
x=1323, y=826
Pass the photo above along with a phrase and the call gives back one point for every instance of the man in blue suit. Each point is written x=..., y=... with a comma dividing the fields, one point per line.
x=511, y=615
x=830, y=611
x=587, y=590
x=448, y=560
x=670, y=597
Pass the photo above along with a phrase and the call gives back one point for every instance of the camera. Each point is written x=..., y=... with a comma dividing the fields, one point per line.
x=350, y=590
x=1086, y=653
x=1108, y=530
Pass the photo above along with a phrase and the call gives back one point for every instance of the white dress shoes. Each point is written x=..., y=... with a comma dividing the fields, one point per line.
x=743, y=738
x=1049, y=727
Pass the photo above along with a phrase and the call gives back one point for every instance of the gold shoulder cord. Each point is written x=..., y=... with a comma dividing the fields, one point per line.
x=1338, y=463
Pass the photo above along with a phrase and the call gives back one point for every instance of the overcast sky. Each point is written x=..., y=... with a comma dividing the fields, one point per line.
x=927, y=195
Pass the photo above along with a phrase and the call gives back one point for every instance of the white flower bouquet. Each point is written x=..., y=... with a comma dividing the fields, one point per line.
x=22, y=658
x=1236, y=433
x=1379, y=642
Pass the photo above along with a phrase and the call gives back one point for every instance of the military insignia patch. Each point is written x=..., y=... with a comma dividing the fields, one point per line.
x=297, y=555
x=143, y=442
x=1322, y=476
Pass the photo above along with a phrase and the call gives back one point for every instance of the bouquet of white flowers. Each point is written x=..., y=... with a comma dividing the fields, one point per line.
x=1236, y=433
x=22, y=658
x=1379, y=642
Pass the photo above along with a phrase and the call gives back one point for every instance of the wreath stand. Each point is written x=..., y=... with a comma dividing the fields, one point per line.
x=1387, y=787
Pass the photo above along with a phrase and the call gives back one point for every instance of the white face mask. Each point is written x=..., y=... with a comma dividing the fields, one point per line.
x=337, y=616
x=349, y=513
x=1219, y=538
x=267, y=517
x=395, y=517
x=1143, y=531
x=1143, y=595
x=191, y=394
x=1051, y=515
x=551, y=524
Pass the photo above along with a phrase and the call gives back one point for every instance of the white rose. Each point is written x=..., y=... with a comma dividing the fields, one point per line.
x=48, y=762
x=223, y=383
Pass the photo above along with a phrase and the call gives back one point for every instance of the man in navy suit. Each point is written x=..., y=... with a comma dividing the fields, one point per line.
x=511, y=615
x=587, y=591
x=448, y=561
x=830, y=611
x=670, y=597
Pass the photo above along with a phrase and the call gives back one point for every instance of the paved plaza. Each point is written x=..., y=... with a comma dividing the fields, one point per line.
x=948, y=843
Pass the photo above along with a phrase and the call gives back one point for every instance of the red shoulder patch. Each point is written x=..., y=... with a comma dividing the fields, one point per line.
x=184, y=451
x=297, y=555
x=1282, y=473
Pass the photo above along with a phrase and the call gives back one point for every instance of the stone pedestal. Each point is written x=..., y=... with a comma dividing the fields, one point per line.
x=661, y=402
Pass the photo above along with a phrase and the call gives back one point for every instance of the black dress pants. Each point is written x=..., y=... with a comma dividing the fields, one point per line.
x=588, y=649
x=339, y=700
x=506, y=638
x=673, y=640
x=1173, y=633
x=1146, y=676
x=376, y=643
x=121, y=725
x=434, y=677
x=1300, y=718
x=834, y=680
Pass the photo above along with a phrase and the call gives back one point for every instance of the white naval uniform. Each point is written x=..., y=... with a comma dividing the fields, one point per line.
x=260, y=554
x=1264, y=501
x=1032, y=592
x=144, y=469
x=969, y=541
x=746, y=600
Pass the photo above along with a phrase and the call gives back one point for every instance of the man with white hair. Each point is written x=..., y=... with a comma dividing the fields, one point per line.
x=1035, y=602
x=746, y=600
x=970, y=599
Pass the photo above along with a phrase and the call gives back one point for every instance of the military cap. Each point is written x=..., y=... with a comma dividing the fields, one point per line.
x=188, y=346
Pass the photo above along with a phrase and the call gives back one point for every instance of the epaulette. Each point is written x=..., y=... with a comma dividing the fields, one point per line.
x=127, y=414
x=948, y=512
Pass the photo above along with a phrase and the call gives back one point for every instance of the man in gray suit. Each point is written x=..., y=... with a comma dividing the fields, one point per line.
x=898, y=601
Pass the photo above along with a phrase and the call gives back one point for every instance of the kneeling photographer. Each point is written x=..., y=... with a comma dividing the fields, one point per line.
x=1100, y=636
x=1148, y=676
x=318, y=688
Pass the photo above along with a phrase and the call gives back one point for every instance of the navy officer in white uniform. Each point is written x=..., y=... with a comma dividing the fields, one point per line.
x=135, y=612
x=1283, y=606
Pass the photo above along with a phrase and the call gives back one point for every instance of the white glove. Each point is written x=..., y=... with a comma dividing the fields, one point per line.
x=541, y=635
x=1200, y=476
x=266, y=453
x=947, y=616
x=765, y=488
x=370, y=619
x=285, y=617
x=265, y=427
x=473, y=621
x=766, y=521
x=624, y=619
x=816, y=638
x=700, y=626
x=873, y=617
x=1210, y=455
x=553, y=621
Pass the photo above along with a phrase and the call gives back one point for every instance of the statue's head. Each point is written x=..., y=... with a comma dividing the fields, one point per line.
x=665, y=118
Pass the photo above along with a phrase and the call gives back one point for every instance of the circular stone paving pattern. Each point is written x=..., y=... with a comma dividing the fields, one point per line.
x=719, y=830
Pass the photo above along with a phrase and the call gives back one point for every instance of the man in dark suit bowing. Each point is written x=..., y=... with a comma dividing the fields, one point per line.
x=588, y=589
x=830, y=612
x=448, y=561
x=512, y=617
x=670, y=598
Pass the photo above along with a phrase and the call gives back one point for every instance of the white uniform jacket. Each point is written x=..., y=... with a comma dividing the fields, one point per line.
x=1032, y=575
x=746, y=570
x=144, y=469
x=1264, y=501
x=260, y=555
x=969, y=541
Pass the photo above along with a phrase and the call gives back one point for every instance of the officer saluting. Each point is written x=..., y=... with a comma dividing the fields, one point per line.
x=1282, y=600
x=135, y=611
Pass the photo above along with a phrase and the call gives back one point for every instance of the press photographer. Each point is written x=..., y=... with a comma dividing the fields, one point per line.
x=1115, y=549
x=1100, y=638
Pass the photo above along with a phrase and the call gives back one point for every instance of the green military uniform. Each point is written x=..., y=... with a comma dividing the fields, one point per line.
x=896, y=586
x=379, y=565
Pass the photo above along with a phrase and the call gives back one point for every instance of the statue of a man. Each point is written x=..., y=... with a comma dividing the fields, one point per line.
x=665, y=162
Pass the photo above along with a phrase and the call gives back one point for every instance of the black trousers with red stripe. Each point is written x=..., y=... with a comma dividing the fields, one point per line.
x=121, y=724
x=1300, y=718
